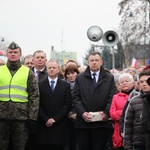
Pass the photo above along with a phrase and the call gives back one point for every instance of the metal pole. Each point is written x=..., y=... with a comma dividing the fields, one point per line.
x=93, y=47
x=113, y=59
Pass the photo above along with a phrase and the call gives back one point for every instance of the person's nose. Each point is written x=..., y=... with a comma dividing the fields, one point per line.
x=70, y=76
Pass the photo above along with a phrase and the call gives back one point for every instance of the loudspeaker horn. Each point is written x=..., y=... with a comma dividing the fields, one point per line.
x=110, y=38
x=94, y=33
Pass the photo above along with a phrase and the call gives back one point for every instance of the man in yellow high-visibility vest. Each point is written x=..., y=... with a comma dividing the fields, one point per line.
x=19, y=100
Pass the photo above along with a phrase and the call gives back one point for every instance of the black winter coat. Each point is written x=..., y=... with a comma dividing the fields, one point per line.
x=87, y=98
x=134, y=133
x=146, y=119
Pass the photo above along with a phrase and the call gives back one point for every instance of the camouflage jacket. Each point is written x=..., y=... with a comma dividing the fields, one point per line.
x=21, y=111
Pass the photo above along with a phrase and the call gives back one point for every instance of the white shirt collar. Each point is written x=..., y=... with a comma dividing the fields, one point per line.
x=35, y=70
x=97, y=73
x=96, y=76
x=49, y=79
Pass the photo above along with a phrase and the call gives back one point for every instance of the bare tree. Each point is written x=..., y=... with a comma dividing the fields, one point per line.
x=134, y=26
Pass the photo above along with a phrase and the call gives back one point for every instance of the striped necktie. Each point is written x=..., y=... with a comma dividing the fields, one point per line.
x=52, y=85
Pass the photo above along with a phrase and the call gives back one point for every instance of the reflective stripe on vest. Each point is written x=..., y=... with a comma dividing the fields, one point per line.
x=14, y=88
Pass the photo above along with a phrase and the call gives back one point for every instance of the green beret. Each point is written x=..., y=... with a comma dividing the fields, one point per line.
x=13, y=46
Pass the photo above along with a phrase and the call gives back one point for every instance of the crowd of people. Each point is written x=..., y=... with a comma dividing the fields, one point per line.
x=45, y=106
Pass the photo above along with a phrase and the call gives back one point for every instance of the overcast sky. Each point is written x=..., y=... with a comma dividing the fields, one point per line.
x=40, y=24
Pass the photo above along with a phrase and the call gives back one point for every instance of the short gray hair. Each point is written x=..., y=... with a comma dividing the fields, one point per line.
x=126, y=75
x=53, y=60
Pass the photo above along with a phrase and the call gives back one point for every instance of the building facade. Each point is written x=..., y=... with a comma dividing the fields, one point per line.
x=62, y=57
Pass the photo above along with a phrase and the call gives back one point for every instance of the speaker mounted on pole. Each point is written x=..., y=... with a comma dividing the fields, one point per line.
x=95, y=33
x=110, y=38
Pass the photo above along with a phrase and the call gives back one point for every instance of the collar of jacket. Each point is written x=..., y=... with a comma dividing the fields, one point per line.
x=44, y=70
x=122, y=94
x=13, y=65
x=144, y=95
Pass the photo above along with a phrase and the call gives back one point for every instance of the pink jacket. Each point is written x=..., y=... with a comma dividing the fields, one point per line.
x=116, y=108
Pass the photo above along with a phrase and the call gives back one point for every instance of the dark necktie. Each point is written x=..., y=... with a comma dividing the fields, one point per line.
x=52, y=85
x=37, y=76
x=94, y=79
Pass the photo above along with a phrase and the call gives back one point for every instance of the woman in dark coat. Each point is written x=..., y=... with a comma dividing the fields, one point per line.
x=70, y=76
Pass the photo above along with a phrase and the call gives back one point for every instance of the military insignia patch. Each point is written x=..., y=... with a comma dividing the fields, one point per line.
x=13, y=46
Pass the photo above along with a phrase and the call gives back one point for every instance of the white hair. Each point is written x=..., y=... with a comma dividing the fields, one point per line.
x=126, y=75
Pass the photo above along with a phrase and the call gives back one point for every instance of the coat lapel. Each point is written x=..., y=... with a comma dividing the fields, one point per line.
x=47, y=85
x=57, y=85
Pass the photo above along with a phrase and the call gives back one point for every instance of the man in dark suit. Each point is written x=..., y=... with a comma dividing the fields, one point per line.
x=39, y=69
x=92, y=93
x=55, y=104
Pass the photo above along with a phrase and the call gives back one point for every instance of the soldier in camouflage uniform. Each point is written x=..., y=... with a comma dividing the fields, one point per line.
x=19, y=100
